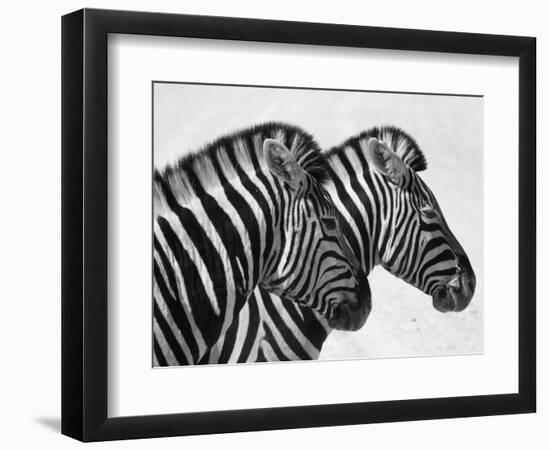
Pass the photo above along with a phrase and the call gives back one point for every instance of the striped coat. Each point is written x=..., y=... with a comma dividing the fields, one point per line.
x=389, y=217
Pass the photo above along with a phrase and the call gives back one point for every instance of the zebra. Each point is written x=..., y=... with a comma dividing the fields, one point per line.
x=247, y=210
x=390, y=217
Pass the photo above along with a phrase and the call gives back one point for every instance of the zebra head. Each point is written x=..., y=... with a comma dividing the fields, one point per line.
x=417, y=244
x=315, y=266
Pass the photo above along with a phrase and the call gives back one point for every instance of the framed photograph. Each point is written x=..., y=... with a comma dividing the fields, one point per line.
x=273, y=224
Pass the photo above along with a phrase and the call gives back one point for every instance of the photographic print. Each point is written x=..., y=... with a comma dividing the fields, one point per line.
x=333, y=202
x=295, y=224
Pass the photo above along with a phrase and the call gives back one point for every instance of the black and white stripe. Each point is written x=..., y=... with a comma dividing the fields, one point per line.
x=248, y=210
x=390, y=217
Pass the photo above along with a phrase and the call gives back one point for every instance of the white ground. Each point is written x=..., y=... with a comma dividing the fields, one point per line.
x=450, y=132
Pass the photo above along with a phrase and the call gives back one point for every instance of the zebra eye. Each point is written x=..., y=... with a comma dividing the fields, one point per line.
x=329, y=223
x=428, y=212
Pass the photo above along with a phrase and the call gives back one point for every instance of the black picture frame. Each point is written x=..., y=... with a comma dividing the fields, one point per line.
x=84, y=224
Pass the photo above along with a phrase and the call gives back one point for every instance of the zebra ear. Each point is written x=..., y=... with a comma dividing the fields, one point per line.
x=386, y=162
x=282, y=163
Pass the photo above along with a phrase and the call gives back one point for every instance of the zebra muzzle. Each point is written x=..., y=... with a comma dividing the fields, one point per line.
x=351, y=312
x=457, y=294
x=343, y=318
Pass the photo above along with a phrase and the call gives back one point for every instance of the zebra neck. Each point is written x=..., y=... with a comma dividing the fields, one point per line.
x=207, y=260
x=362, y=199
x=379, y=201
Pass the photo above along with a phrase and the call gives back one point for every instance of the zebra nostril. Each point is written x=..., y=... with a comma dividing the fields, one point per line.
x=455, y=283
x=349, y=314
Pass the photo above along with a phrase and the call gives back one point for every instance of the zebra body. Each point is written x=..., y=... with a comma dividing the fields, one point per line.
x=237, y=215
x=390, y=217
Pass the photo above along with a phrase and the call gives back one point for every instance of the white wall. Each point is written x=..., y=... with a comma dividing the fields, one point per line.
x=30, y=229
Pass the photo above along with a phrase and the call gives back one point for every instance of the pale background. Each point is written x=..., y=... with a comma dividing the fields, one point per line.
x=30, y=335
x=449, y=129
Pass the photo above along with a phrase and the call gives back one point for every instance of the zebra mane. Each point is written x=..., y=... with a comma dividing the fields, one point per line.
x=242, y=149
x=397, y=140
